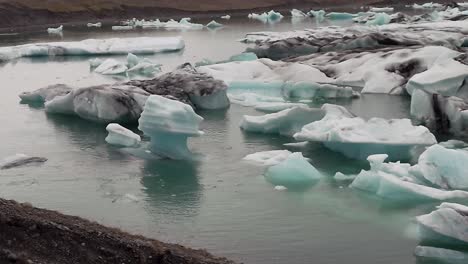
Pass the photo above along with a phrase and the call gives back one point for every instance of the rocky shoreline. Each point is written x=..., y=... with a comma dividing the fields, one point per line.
x=38, y=236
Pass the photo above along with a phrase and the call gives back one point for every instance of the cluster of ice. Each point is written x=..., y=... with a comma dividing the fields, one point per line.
x=124, y=102
x=279, y=45
x=393, y=182
x=357, y=138
x=169, y=124
x=265, y=17
x=268, y=158
x=447, y=226
x=142, y=45
x=287, y=122
x=293, y=172
x=134, y=65
x=19, y=160
x=96, y=25
x=56, y=31
x=381, y=9
x=120, y=136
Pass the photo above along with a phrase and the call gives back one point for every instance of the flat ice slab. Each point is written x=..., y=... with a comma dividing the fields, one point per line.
x=142, y=45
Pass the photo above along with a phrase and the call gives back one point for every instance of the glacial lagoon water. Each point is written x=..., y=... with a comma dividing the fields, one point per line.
x=220, y=202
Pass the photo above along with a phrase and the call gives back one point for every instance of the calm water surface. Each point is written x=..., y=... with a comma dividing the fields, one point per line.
x=220, y=202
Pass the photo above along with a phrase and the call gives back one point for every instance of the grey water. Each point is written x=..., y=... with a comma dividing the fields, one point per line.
x=218, y=203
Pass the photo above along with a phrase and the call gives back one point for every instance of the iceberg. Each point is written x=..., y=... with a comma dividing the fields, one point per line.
x=428, y=5
x=298, y=13
x=133, y=65
x=214, y=24
x=340, y=16
x=226, y=17
x=56, y=31
x=42, y=95
x=169, y=124
x=357, y=138
x=111, y=67
x=440, y=255
x=184, y=23
x=294, y=172
x=318, y=15
x=287, y=122
x=120, y=136
x=379, y=19
x=446, y=226
x=268, y=158
x=19, y=160
x=272, y=107
x=392, y=183
x=122, y=28
x=265, y=17
x=96, y=25
x=443, y=168
x=381, y=9
x=141, y=45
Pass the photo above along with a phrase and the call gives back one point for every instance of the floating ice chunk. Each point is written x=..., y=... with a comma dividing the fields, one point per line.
x=311, y=90
x=286, y=122
x=444, y=168
x=111, y=67
x=227, y=17
x=142, y=45
x=440, y=255
x=120, y=136
x=280, y=188
x=272, y=107
x=318, y=15
x=19, y=160
x=132, y=60
x=58, y=30
x=294, y=172
x=214, y=24
x=253, y=99
x=379, y=19
x=429, y=5
x=393, y=187
x=96, y=25
x=381, y=9
x=297, y=13
x=45, y=94
x=94, y=63
x=340, y=16
x=446, y=226
x=122, y=28
x=184, y=23
x=343, y=177
x=268, y=158
x=358, y=138
x=145, y=67
x=271, y=16
x=169, y=124
x=105, y=104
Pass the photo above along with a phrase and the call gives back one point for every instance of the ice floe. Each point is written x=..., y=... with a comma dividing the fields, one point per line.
x=357, y=138
x=226, y=17
x=214, y=24
x=121, y=136
x=169, y=123
x=141, y=45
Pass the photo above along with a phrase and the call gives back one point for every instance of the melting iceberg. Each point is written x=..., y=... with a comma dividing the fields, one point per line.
x=169, y=124
x=271, y=16
x=447, y=226
x=19, y=160
x=120, y=136
x=294, y=172
x=142, y=45
x=268, y=158
x=111, y=67
x=392, y=182
x=318, y=15
x=133, y=65
x=287, y=122
x=57, y=31
x=357, y=138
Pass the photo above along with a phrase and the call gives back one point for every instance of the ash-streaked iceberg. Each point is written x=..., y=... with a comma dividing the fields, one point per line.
x=357, y=138
x=287, y=122
x=141, y=45
x=169, y=124
x=121, y=136
x=42, y=95
x=294, y=172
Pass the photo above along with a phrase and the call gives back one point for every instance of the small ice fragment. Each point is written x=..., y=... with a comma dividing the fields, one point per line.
x=120, y=136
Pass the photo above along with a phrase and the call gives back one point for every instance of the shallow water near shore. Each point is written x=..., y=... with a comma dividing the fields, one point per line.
x=218, y=202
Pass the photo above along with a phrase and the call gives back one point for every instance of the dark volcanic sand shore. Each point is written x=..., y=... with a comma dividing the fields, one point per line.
x=24, y=13
x=38, y=236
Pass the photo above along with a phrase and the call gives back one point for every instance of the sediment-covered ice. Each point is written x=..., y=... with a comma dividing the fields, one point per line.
x=169, y=123
x=392, y=182
x=268, y=158
x=447, y=226
x=142, y=45
x=42, y=95
x=358, y=138
x=440, y=255
x=19, y=160
x=56, y=31
x=287, y=122
x=121, y=136
x=96, y=25
x=294, y=172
